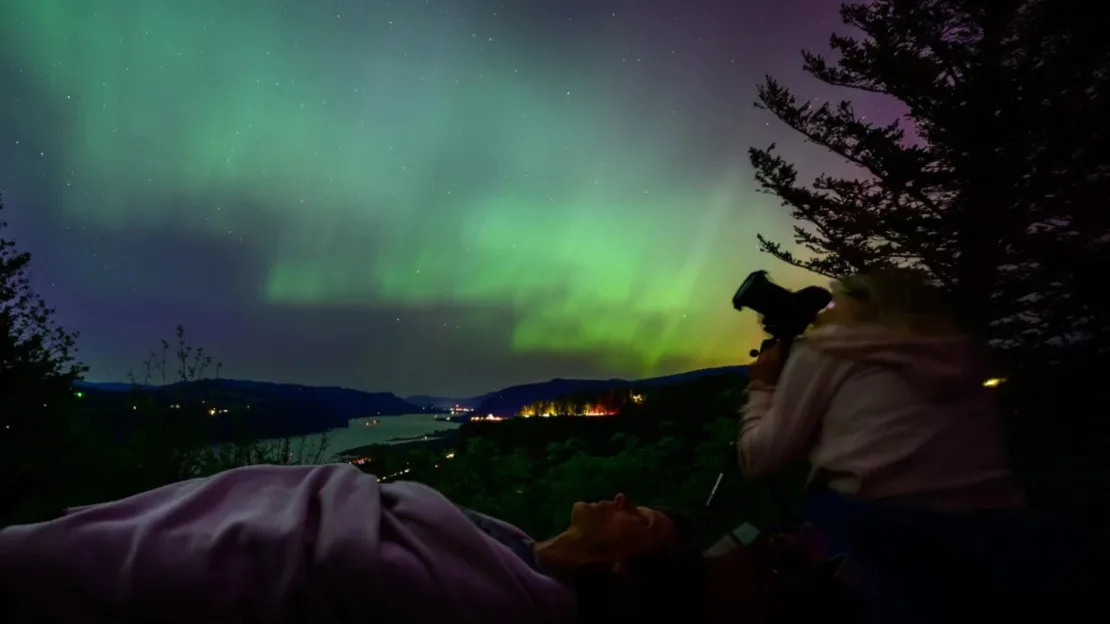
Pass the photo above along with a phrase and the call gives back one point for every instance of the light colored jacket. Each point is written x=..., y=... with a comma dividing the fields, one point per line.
x=272, y=544
x=884, y=416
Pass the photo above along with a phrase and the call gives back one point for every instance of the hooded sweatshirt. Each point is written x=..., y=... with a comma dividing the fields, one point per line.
x=273, y=544
x=884, y=416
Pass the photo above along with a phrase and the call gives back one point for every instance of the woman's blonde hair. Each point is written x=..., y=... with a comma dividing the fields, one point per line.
x=899, y=299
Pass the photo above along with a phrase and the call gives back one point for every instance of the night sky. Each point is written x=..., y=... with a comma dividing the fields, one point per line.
x=434, y=196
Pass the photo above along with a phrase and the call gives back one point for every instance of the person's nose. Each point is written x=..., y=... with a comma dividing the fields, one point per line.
x=621, y=501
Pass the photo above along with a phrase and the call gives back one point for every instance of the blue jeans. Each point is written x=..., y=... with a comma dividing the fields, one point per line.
x=920, y=566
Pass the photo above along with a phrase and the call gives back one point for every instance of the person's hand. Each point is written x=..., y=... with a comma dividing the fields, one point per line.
x=765, y=370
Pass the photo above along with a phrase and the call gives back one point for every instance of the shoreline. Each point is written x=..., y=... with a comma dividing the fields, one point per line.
x=394, y=443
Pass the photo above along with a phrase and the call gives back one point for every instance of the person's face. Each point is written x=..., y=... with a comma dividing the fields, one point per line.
x=617, y=530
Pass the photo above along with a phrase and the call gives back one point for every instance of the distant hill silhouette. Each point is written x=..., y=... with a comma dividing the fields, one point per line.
x=279, y=410
x=509, y=401
x=238, y=411
x=342, y=403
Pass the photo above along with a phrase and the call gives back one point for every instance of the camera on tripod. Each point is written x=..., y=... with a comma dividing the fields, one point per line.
x=786, y=314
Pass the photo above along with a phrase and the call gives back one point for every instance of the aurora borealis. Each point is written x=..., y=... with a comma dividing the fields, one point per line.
x=416, y=196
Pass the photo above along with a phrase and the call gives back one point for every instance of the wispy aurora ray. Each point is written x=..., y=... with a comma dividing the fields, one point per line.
x=375, y=155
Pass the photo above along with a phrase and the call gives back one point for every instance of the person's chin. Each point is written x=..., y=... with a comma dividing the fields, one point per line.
x=579, y=510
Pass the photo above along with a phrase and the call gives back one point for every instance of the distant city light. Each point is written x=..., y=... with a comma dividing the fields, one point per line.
x=993, y=382
x=394, y=475
x=552, y=409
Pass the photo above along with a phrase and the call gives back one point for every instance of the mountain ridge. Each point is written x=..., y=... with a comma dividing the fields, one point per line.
x=341, y=402
x=349, y=403
x=508, y=401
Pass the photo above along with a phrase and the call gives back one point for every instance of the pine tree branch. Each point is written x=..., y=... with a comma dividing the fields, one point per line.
x=875, y=150
x=1001, y=196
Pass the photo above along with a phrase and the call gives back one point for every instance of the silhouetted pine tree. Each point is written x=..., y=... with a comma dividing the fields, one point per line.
x=37, y=372
x=995, y=184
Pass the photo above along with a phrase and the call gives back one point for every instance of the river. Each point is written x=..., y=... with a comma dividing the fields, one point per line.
x=365, y=431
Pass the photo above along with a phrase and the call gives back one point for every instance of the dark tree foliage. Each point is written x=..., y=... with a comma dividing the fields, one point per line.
x=34, y=352
x=37, y=372
x=995, y=182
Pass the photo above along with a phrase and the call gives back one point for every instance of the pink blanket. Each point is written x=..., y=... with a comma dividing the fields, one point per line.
x=273, y=544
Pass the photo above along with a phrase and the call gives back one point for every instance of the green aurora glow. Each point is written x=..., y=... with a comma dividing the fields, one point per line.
x=450, y=172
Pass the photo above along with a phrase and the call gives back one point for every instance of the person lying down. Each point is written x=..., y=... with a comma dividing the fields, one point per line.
x=333, y=544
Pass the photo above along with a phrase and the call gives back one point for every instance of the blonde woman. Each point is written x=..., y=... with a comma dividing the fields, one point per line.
x=886, y=399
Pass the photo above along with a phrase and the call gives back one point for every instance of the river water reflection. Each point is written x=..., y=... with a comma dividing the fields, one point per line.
x=363, y=432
